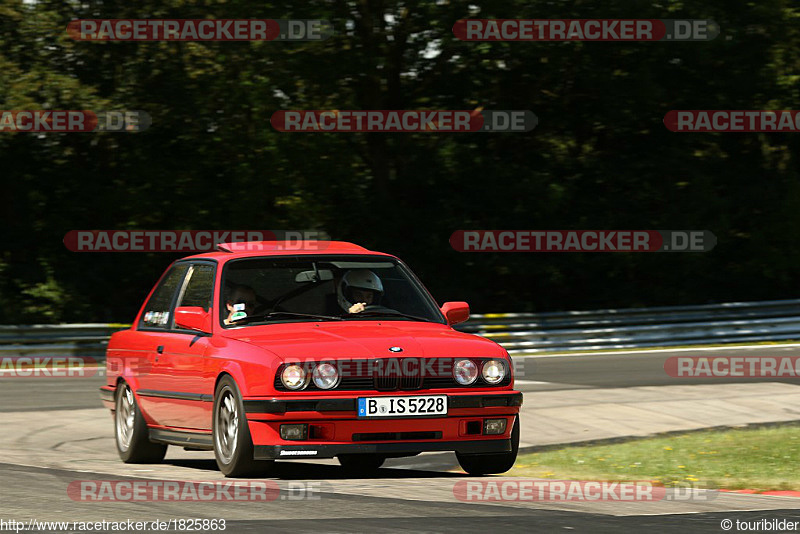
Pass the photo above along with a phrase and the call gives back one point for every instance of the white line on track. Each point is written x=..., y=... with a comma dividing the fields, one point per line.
x=60, y=372
x=656, y=351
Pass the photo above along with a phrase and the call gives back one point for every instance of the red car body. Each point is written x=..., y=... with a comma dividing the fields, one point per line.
x=174, y=373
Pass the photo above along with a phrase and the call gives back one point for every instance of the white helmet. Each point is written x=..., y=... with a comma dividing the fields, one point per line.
x=361, y=279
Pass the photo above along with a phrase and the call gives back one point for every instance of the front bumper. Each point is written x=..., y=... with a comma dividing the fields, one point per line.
x=282, y=406
x=333, y=427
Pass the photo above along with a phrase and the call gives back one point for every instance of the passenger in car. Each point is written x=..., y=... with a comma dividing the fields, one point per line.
x=240, y=294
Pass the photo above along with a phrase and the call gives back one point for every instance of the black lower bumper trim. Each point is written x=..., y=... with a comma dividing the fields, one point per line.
x=280, y=406
x=299, y=405
x=285, y=452
x=484, y=401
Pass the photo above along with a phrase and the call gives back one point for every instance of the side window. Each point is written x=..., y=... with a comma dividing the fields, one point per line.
x=200, y=287
x=158, y=309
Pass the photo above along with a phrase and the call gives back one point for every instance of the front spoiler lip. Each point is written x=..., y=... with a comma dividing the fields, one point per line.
x=299, y=452
x=281, y=406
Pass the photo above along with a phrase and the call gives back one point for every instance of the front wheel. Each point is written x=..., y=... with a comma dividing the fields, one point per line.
x=131, y=432
x=492, y=464
x=233, y=446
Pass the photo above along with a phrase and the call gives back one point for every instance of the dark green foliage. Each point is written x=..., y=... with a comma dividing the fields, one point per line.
x=600, y=158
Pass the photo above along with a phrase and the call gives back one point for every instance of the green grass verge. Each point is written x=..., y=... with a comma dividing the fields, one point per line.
x=763, y=459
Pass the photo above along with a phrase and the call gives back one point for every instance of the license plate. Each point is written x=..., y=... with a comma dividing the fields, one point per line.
x=402, y=406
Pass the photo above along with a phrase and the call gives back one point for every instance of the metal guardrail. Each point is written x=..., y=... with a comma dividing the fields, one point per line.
x=62, y=340
x=519, y=333
x=733, y=322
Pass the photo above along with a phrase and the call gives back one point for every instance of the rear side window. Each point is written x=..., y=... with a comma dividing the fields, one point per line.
x=157, y=313
x=200, y=287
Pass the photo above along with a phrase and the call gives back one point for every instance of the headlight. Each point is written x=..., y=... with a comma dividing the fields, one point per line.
x=293, y=377
x=465, y=372
x=325, y=376
x=494, y=371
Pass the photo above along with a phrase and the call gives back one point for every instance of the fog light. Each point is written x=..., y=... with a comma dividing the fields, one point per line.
x=297, y=432
x=494, y=426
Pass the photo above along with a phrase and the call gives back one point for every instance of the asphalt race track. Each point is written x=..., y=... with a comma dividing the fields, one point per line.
x=55, y=432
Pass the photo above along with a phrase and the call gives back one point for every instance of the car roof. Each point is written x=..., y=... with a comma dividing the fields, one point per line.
x=246, y=249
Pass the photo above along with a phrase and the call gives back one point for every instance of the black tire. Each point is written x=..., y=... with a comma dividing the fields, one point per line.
x=492, y=464
x=233, y=446
x=131, y=434
x=361, y=464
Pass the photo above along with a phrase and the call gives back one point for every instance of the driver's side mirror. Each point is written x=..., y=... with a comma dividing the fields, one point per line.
x=193, y=318
x=455, y=312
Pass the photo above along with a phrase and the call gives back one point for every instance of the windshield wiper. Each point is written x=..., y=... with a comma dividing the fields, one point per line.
x=386, y=314
x=277, y=314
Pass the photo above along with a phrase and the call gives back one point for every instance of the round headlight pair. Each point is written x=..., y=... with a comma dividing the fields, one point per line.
x=324, y=375
x=466, y=372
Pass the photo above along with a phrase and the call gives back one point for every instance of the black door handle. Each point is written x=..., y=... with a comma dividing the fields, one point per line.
x=160, y=349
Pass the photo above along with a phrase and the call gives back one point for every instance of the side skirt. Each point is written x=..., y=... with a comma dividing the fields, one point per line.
x=193, y=440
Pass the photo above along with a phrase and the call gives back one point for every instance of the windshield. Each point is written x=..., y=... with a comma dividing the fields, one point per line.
x=314, y=288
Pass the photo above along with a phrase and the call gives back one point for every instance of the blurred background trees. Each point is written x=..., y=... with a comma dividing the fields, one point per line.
x=600, y=157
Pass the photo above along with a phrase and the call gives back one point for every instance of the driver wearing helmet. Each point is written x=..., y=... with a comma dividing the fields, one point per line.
x=358, y=289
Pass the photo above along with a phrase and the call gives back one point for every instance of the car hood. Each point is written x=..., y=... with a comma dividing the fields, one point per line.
x=365, y=339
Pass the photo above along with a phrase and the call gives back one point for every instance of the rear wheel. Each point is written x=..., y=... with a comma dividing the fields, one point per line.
x=492, y=464
x=233, y=446
x=131, y=432
x=361, y=464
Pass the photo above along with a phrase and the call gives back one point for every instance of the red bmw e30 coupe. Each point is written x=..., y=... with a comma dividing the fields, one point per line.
x=316, y=349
